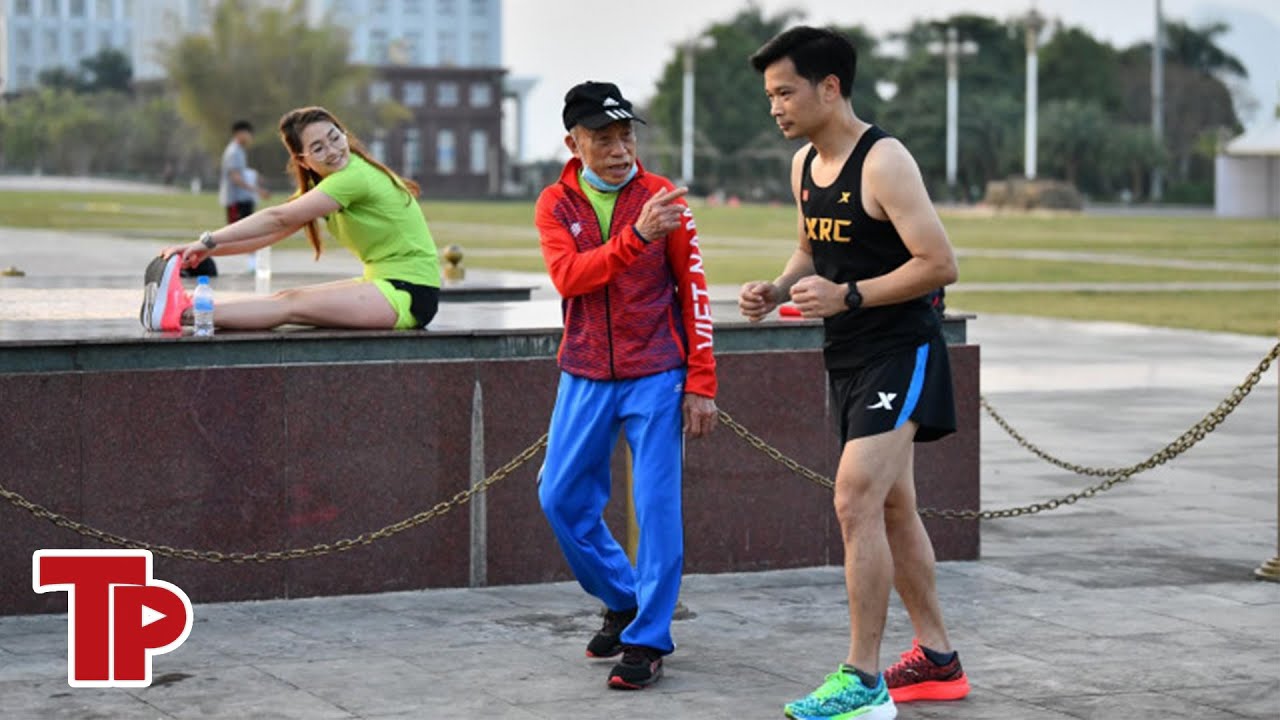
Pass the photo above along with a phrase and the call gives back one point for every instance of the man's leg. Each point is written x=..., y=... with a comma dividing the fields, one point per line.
x=913, y=561
x=869, y=466
x=651, y=411
x=930, y=670
x=574, y=488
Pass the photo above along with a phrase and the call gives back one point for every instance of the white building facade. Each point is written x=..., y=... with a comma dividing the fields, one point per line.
x=40, y=35
x=440, y=59
x=418, y=33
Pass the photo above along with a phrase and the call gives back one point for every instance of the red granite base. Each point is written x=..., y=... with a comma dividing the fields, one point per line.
x=240, y=459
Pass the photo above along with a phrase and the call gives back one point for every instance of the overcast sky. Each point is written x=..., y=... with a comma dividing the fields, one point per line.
x=562, y=42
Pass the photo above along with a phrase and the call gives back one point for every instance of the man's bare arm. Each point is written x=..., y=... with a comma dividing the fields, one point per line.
x=898, y=190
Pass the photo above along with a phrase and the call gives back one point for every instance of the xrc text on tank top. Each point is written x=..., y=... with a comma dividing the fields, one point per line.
x=849, y=245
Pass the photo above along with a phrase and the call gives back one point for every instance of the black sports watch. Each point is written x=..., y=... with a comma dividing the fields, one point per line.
x=206, y=239
x=853, y=298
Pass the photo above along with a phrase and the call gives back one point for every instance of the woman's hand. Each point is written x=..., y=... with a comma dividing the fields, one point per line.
x=192, y=253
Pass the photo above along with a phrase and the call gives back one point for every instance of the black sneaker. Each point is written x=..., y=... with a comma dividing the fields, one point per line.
x=608, y=642
x=640, y=667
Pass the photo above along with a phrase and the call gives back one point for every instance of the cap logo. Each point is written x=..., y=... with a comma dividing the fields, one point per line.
x=610, y=102
x=619, y=114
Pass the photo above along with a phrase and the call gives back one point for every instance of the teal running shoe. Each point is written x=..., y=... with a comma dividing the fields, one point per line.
x=842, y=696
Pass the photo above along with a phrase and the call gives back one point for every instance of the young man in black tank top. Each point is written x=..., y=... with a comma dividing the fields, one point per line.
x=871, y=251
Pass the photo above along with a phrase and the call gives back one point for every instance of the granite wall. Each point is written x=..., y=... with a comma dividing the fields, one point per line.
x=268, y=457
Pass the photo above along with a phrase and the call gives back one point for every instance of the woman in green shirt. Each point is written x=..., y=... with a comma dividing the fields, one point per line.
x=366, y=207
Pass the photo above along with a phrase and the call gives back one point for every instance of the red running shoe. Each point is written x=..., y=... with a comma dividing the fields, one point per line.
x=164, y=299
x=916, y=677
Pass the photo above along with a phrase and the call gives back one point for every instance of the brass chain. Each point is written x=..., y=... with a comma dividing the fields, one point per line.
x=759, y=443
x=214, y=556
x=1183, y=443
x=1113, y=476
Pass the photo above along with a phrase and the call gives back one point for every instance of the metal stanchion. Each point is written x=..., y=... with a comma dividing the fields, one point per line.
x=1270, y=570
x=632, y=545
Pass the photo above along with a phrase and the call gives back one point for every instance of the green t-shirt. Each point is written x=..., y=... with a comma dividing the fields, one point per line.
x=381, y=224
x=602, y=202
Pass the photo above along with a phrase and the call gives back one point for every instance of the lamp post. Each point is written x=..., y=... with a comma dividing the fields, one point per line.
x=1033, y=23
x=690, y=48
x=1157, y=98
x=952, y=49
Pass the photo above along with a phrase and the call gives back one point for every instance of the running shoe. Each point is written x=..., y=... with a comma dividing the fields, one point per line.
x=163, y=298
x=608, y=642
x=150, y=282
x=640, y=667
x=842, y=696
x=916, y=677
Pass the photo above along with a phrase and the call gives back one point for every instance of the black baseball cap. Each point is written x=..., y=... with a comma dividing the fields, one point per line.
x=594, y=105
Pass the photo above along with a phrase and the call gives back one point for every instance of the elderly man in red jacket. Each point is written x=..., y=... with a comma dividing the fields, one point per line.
x=620, y=246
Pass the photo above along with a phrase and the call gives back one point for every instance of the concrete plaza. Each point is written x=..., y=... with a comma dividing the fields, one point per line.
x=1138, y=603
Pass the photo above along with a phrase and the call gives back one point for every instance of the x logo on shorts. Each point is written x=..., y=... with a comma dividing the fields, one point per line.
x=886, y=401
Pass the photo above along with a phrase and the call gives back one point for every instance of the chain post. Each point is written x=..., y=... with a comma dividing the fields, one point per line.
x=1270, y=570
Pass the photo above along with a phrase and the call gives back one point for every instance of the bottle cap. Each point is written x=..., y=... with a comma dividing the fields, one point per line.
x=203, y=280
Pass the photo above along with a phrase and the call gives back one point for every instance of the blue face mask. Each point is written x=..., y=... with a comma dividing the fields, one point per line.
x=599, y=183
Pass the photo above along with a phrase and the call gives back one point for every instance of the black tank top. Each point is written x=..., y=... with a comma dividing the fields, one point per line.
x=850, y=245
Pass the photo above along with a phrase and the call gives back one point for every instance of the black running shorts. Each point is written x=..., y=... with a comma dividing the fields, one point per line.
x=885, y=393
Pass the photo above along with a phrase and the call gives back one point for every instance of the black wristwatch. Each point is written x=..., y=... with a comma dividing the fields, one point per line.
x=206, y=239
x=853, y=298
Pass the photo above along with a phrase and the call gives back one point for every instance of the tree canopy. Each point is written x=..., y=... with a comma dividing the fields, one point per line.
x=256, y=63
x=1094, y=105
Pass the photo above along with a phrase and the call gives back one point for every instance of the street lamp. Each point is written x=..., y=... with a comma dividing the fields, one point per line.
x=1033, y=23
x=952, y=49
x=1157, y=98
x=689, y=48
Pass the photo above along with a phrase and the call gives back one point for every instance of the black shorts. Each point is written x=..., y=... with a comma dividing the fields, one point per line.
x=424, y=300
x=887, y=392
x=239, y=211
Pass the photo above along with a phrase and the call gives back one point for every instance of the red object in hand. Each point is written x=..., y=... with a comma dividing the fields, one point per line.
x=789, y=310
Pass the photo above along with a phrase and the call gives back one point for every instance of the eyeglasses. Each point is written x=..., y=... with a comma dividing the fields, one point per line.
x=336, y=140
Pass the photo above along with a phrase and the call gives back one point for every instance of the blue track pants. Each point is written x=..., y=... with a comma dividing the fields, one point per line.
x=575, y=484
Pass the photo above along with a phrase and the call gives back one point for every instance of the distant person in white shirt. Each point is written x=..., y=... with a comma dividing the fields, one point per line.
x=238, y=187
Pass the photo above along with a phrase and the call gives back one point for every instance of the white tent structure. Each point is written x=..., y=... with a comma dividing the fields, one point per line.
x=1247, y=174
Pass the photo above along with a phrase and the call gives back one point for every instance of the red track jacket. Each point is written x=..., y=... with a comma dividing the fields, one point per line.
x=630, y=309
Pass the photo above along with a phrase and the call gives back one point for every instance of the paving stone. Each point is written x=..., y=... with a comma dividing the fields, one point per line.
x=1139, y=603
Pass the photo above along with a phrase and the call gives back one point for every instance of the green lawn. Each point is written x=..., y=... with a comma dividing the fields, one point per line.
x=1254, y=313
x=753, y=241
x=177, y=212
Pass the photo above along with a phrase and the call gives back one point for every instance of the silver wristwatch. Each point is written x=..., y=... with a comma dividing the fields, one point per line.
x=206, y=239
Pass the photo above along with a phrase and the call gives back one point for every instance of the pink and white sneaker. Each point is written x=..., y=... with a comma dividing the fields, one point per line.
x=163, y=297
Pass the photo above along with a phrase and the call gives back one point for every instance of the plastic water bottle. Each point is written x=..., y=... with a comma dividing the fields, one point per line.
x=203, y=299
x=262, y=271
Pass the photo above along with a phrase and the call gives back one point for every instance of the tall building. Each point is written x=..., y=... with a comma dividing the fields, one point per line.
x=418, y=33
x=158, y=22
x=40, y=35
x=442, y=60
